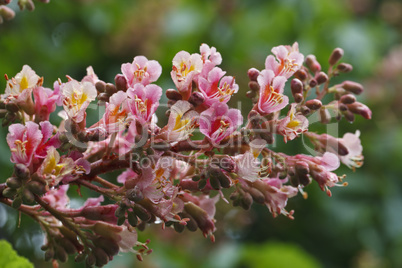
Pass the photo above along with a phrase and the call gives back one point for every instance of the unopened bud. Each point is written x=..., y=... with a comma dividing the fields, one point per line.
x=251, y=94
x=120, y=212
x=301, y=168
x=109, y=246
x=9, y=192
x=14, y=182
x=361, y=109
x=305, y=110
x=313, y=64
x=253, y=74
x=132, y=219
x=101, y=257
x=348, y=99
x=17, y=202
x=135, y=194
x=27, y=196
x=196, y=99
x=68, y=246
x=104, y=97
x=246, y=201
x=257, y=195
x=172, y=94
x=344, y=67
x=100, y=86
x=301, y=75
x=80, y=257
x=336, y=55
x=254, y=86
x=314, y=104
x=6, y=12
x=349, y=116
x=296, y=86
x=321, y=78
x=36, y=187
x=178, y=227
x=141, y=212
x=121, y=82
x=90, y=260
x=201, y=184
x=12, y=107
x=342, y=107
x=49, y=254
x=298, y=97
x=110, y=89
x=313, y=83
x=353, y=87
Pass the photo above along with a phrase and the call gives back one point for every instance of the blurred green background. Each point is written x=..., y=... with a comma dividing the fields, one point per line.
x=359, y=226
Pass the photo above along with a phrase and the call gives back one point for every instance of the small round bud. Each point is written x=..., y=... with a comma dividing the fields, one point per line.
x=49, y=254
x=321, y=78
x=251, y=94
x=349, y=116
x=253, y=74
x=141, y=212
x=296, y=86
x=178, y=227
x=344, y=67
x=301, y=75
x=12, y=107
x=348, y=99
x=110, y=89
x=313, y=83
x=36, y=187
x=314, y=104
x=27, y=196
x=353, y=87
x=325, y=117
x=100, y=86
x=135, y=194
x=101, y=257
x=132, y=219
x=103, y=97
x=313, y=64
x=17, y=202
x=342, y=107
x=257, y=195
x=14, y=182
x=246, y=201
x=305, y=110
x=336, y=55
x=120, y=212
x=90, y=260
x=9, y=192
x=254, y=86
x=298, y=97
x=196, y=99
x=121, y=82
x=172, y=94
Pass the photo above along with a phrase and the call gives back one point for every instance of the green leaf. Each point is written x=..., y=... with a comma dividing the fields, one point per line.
x=10, y=258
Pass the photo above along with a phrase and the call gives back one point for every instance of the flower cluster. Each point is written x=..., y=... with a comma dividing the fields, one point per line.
x=176, y=173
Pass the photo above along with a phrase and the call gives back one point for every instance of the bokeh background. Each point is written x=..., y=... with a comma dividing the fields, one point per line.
x=360, y=226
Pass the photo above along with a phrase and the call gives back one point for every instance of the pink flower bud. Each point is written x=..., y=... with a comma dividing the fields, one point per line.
x=353, y=87
x=361, y=109
x=253, y=74
x=296, y=86
x=336, y=55
x=313, y=64
x=6, y=12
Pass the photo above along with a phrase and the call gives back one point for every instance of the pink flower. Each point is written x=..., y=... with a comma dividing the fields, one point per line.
x=23, y=142
x=209, y=54
x=57, y=197
x=117, y=112
x=185, y=69
x=292, y=125
x=144, y=100
x=216, y=87
x=271, y=89
x=76, y=98
x=354, y=158
x=219, y=121
x=91, y=77
x=45, y=102
x=276, y=195
x=248, y=166
x=26, y=79
x=48, y=139
x=288, y=60
x=141, y=70
x=182, y=121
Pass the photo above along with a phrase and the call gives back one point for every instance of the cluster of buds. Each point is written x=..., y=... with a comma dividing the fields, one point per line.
x=7, y=13
x=176, y=173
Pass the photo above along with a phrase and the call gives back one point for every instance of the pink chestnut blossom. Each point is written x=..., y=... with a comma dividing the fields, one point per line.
x=292, y=125
x=271, y=92
x=216, y=87
x=354, y=158
x=288, y=60
x=23, y=142
x=185, y=69
x=45, y=102
x=48, y=139
x=144, y=100
x=181, y=123
x=209, y=54
x=57, y=197
x=218, y=122
x=76, y=98
x=248, y=166
x=141, y=70
x=26, y=79
x=116, y=113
